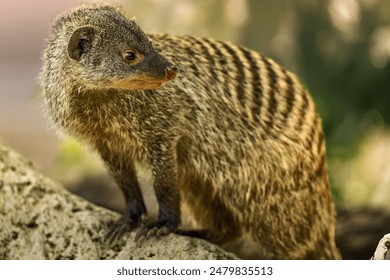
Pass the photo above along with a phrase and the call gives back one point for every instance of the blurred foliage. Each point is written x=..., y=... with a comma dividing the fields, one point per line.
x=339, y=68
x=365, y=177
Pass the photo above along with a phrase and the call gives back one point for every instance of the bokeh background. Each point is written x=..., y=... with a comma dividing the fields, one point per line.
x=339, y=48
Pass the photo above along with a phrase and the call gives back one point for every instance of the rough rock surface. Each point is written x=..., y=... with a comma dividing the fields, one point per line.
x=39, y=219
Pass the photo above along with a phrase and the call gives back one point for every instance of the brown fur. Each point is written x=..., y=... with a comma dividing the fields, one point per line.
x=234, y=142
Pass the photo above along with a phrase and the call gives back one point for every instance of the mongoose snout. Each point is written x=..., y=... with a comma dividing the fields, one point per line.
x=171, y=72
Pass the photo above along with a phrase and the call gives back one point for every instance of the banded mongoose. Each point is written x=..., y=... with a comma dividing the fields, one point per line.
x=235, y=139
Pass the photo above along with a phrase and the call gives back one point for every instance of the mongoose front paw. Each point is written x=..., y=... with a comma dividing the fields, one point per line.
x=134, y=217
x=156, y=229
x=123, y=225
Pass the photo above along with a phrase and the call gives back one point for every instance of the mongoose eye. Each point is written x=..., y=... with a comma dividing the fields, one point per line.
x=129, y=56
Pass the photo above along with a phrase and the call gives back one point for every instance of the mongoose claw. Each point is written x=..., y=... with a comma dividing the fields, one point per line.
x=116, y=231
x=154, y=229
x=120, y=227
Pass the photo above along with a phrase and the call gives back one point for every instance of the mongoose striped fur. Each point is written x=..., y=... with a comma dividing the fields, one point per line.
x=234, y=142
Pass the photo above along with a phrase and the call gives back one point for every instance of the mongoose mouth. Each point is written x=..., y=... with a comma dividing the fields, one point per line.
x=143, y=81
x=138, y=84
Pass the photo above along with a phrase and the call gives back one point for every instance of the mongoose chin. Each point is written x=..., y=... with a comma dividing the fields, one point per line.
x=234, y=142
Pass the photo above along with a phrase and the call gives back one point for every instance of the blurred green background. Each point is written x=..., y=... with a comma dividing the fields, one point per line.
x=339, y=48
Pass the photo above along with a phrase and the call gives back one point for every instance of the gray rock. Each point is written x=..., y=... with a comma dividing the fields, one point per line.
x=39, y=219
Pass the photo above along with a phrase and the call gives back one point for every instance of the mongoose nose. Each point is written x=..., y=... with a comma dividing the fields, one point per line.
x=171, y=72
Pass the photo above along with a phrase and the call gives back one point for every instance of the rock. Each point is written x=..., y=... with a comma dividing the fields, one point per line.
x=39, y=219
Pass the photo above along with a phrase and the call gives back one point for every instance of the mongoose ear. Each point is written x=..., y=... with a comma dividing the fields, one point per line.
x=80, y=41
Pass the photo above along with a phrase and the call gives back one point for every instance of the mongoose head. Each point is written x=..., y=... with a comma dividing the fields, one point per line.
x=111, y=50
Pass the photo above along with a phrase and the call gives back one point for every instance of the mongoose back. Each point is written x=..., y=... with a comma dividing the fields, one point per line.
x=233, y=141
